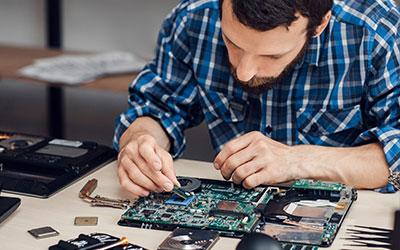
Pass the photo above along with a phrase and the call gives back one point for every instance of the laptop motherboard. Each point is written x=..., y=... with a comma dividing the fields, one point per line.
x=303, y=212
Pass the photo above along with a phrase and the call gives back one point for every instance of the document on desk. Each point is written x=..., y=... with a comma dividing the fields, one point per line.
x=73, y=70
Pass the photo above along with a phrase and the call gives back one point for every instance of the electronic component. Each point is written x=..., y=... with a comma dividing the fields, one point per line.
x=86, y=221
x=95, y=241
x=176, y=200
x=182, y=238
x=189, y=184
x=182, y=193
x=99, y=201
x=294, y=215
x=43, y=232
x=228, y=205
x=317, y=185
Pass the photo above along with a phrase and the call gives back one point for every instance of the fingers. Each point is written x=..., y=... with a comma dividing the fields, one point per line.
x=137, y=176
x=235, y=161
x=162, y=181
x=233, y=147
x=145, y=167
x=254, y=180
x=131, y=187
x=147, y=151
x=244, y=171
x=168, y=166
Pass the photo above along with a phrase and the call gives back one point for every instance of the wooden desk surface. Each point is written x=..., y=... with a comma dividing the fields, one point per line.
x=371, y=208
x=13, y=58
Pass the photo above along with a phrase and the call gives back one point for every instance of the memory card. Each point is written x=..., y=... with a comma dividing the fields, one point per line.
x=86, y=221
x=43, y=232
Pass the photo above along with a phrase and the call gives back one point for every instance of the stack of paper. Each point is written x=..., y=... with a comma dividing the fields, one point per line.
x=81, y=69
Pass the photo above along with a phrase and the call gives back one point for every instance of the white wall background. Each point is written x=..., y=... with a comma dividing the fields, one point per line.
x=22, y=22
x=131, y=25
x=93, y=25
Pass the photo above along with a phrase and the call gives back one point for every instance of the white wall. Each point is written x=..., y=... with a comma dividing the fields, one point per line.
x=131, y=25
x=22, y=22
x=96, y=25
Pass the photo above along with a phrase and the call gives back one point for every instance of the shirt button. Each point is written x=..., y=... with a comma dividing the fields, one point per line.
x=314, y=128
x=268, y=129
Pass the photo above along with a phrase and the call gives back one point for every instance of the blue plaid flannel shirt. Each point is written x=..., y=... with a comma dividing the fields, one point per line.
x=345, y=92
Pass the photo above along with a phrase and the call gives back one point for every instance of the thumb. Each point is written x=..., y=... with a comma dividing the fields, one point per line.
x=167, y=165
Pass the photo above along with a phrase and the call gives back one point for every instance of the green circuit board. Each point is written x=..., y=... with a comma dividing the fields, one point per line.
x=216, y=207
x=233, y=211
x=318, y=185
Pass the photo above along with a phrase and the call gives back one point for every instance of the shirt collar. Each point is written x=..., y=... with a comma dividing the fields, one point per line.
x=314, y=50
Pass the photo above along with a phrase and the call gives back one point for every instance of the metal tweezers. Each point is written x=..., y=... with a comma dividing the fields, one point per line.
x=363, y=236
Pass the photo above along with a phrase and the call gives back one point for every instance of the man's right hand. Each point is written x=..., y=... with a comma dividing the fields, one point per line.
x=144, y=166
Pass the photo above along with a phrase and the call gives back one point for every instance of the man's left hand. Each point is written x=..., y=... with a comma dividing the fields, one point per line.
x=254, y=159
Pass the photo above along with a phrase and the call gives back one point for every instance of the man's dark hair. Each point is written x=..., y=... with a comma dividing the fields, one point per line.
x=264, y=15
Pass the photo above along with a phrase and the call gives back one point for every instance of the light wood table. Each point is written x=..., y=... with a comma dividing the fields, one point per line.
x=371, y=208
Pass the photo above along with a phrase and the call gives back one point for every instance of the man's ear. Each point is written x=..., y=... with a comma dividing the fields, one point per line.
x=324, y=23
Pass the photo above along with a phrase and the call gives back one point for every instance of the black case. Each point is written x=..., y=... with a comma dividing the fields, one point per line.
x=7, y=206
x=28, y=167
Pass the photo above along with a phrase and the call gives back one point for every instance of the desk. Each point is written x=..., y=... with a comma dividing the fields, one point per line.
x=13, y=58
x=59, y=211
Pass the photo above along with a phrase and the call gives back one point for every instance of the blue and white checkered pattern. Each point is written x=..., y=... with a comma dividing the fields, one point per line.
x=346, y=91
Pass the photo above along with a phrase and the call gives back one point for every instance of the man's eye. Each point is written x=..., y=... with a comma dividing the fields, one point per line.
x=274, y=57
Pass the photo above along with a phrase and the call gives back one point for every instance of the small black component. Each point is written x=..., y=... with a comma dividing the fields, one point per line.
x=335, y=218
x=190, y=184
x=218, y=212
x=260, y=209
x=148, y=212
x=43, y=232
x=166, y=216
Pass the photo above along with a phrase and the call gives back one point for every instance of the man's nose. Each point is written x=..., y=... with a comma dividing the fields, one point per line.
x=246, y=69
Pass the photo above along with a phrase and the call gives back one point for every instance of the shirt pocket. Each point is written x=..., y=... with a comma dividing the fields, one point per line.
x=236, y=112
x=329, y=127
x=230, y=110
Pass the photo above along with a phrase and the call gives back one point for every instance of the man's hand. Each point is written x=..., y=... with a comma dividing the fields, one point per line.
x=143, y=165
x=254, y=159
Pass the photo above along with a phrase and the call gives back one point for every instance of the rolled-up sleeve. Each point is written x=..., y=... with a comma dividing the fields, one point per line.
x=166, y=88
x=382, y=104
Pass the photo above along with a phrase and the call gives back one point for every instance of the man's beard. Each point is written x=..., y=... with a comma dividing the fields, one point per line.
x=258, y=85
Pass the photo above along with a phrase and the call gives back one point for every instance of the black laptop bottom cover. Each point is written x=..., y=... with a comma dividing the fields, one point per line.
x=39, y=166
x=7, y=206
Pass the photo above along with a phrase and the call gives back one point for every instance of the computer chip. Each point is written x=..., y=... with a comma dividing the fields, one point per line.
x=177, y=200
x=86, y=221
x=227, y=205
x=43, y=232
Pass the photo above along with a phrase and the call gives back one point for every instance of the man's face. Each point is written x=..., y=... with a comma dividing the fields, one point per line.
x=259, y=60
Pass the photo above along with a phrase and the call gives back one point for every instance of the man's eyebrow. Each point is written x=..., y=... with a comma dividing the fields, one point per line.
x=230, y=41
x=237, y=46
